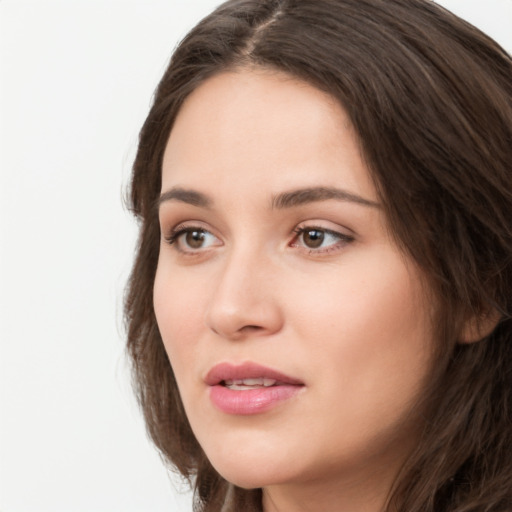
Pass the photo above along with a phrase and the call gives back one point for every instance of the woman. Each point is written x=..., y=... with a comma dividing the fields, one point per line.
x=319, y=311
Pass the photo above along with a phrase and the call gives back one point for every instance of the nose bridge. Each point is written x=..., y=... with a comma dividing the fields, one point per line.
x=244, y=300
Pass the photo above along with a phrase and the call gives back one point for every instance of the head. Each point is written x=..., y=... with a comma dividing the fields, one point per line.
x=422, y=102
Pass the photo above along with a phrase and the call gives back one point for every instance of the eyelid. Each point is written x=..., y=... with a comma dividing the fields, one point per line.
x=172, y=228
x=343, y=239
x=173, y=235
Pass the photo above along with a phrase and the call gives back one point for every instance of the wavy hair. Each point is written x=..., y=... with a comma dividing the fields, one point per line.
x=430, y=97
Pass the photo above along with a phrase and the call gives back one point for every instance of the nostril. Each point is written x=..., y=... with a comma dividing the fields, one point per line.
x=251, y=328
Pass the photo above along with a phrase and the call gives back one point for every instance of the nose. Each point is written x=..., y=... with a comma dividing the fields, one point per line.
x=245, y=301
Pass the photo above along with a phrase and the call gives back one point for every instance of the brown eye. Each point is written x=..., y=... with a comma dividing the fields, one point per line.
x=313, y=238
x=318, y=240
x=190, y=240
x=195, y=239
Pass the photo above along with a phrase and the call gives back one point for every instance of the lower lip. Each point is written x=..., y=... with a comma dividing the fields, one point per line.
x=251, y=401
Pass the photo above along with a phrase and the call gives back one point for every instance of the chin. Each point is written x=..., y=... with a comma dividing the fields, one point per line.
x=251, y=477
x=252, y=467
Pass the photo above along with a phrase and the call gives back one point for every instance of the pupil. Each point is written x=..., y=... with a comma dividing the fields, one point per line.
x=194, y=239
x=314, y=238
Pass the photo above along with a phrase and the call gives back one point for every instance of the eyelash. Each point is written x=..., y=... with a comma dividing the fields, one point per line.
x=173, y=238
x=342, y=239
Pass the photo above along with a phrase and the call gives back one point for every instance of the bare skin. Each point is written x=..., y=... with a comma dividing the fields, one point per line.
x=275, y=250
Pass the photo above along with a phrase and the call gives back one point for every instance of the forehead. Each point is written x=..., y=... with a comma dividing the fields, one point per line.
x=262, y=127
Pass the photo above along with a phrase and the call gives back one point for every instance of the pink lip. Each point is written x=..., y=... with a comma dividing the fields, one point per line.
x=253, y=401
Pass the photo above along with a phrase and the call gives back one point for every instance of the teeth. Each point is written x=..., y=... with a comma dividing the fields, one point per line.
x=243, y=384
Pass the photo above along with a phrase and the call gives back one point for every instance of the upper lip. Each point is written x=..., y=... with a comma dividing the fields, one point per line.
x=228, y=371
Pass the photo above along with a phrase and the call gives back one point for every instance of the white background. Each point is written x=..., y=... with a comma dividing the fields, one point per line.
x=76, y=80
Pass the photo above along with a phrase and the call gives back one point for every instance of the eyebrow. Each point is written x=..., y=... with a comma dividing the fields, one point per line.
x=185, y=196
x=284, y=200
x=310, y=195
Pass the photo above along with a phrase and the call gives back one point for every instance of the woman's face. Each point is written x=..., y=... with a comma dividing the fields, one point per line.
x=299, y=334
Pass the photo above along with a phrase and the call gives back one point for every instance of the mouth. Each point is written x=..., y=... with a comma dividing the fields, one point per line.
x=249, y=388
x=248, y=375
x=247, y=384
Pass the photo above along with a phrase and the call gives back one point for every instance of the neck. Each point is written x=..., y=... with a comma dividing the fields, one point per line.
x=355, y=494
x=353, y=489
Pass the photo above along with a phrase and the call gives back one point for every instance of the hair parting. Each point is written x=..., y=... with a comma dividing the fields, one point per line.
x=430, y=98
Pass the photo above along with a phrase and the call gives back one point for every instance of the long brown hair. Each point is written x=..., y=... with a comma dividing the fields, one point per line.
x=430, y=97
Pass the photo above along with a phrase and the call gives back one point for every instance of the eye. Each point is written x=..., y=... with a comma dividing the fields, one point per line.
x=317, y=239
x=192, y=239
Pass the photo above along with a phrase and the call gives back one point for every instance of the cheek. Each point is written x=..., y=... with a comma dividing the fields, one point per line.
x=373, y=303
x=369, y=330
x=179, y=310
